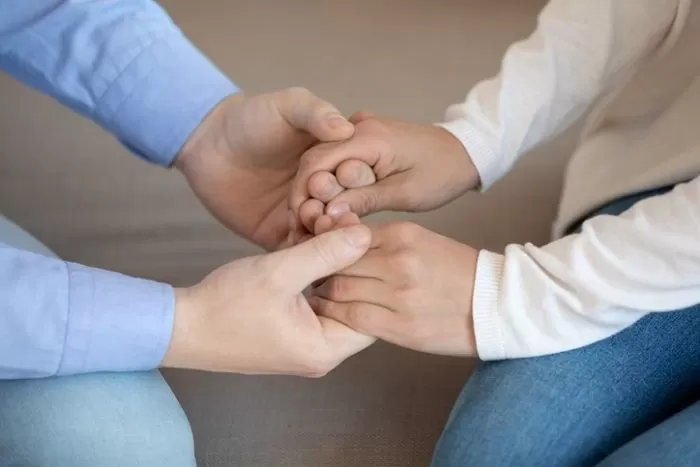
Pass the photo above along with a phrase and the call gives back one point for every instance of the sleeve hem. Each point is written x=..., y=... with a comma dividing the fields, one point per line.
x=161, y=97
x=483, y=156
x=489, y=336
x=115, y=322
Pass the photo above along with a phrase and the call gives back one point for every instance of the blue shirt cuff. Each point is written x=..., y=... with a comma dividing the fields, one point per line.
x=115, y=322
x=161, y=97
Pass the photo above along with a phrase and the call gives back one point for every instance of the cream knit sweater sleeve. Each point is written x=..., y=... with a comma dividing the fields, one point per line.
x=585, y=287
x=577, y=290
x=580, y=51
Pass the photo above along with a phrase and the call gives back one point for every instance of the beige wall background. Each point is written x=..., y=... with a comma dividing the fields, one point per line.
x=76, y=189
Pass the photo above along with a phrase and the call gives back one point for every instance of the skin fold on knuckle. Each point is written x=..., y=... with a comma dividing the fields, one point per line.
x=406, y=233
x=337, y=289
x=367, y=201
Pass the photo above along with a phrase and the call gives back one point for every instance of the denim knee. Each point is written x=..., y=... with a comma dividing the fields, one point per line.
x=576, y=408
x=96, y=420
x=478, y=435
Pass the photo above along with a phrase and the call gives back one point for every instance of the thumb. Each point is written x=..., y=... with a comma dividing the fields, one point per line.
x=307, y=112
x=320, y=256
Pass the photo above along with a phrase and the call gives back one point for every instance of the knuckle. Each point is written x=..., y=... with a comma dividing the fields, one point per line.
x=337, y=288
x=383, y=146
x=375, y=126
x=406, y=232
x=312, y=161
x=406, y=297
x=407, y=264
x=383, y=155
x=367, y=201
x=309, y=158
x=298, y=92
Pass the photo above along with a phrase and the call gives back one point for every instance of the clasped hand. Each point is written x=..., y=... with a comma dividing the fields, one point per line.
x=413, y=287
x=254, y=158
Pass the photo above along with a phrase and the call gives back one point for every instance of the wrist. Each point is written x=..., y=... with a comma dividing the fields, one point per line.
x=464, y=168
x=209, y=139
x=181, y=350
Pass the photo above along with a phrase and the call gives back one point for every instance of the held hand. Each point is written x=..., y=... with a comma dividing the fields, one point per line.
x=242, y=158
x=413, y=288
x=418, y=167
x=250, y=316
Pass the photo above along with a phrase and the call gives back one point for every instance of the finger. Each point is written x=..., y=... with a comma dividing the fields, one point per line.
x=323, y=224
x=344, y=289
x=325, y=158
x=399, y=235
x=326, y=223
x=354, y=174
x=307, y=112
x=324, y=187
x=381, y=196
x=388, y=258
x=365, y=318
x=361, y=115
x=346, y=220
x=309, y=212
x=375, y=264
x=301, y=265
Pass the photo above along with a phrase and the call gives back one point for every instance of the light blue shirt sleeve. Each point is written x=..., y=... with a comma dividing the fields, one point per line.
x=60, y=318
x=122, y=63
x=126, y=66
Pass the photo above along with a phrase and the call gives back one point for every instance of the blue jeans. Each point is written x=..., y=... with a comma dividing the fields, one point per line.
x=632, y=400
x=99, y=420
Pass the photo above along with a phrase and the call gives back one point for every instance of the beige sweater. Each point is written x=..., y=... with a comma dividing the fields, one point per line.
x=635, y=65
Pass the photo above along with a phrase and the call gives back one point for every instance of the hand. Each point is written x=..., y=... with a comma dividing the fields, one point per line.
x=241, y=159
x=413, y=288
x=250, y=316
x=418, y=167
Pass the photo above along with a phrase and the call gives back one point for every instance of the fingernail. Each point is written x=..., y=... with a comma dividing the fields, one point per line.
x=338, y=210
x=336, y=121
x=358, y=236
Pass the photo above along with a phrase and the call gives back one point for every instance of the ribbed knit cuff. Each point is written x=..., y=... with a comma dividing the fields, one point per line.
x=480, y=149
x=487, y=328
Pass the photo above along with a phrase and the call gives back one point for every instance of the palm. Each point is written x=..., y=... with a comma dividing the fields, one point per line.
x=245, y=176
x=269, y=159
